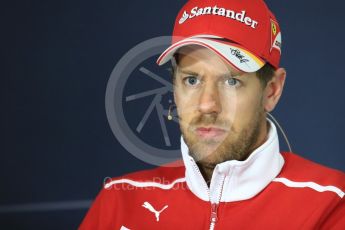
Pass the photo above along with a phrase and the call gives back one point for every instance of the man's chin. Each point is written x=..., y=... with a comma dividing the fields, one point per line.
x=208, y=162
x=204, y=150
x=205, y=153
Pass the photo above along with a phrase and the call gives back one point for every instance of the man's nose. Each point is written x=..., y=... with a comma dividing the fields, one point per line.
x=209, y=101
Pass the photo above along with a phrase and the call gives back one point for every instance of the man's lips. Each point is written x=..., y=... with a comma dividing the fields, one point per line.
x=209, y=132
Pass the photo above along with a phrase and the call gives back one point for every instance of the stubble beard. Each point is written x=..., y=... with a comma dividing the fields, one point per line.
x=237, y=145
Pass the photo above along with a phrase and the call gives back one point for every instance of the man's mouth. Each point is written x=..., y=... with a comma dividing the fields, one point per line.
x=209, y=132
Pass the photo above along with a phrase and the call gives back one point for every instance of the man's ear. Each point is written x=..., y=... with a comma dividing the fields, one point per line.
x=274, y=89
x=174, y=93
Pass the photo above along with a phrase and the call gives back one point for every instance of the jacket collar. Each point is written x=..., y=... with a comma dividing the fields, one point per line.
x=237, y=180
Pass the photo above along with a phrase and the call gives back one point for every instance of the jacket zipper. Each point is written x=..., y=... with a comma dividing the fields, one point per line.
x=214, y=216
x=214, y=206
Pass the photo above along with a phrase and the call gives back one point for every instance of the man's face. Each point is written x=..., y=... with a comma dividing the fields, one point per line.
x=220, y=108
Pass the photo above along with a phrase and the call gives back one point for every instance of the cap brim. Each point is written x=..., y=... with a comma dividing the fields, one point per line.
x=234, y=54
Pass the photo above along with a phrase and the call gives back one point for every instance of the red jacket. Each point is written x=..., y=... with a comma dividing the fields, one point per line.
x=269, y=190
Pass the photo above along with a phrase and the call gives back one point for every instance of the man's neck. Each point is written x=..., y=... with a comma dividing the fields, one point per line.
x=206, y=172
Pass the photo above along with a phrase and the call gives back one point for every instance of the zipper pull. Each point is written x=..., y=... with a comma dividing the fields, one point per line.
x=214, y=209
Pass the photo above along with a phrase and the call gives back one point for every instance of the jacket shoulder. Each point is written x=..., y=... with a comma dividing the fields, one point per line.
x=297, y=168
x=118, y=191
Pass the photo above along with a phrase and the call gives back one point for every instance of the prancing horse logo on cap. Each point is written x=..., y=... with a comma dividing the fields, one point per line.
x=276, y=37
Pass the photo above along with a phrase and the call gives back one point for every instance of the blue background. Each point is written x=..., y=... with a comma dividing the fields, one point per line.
x=57, y=56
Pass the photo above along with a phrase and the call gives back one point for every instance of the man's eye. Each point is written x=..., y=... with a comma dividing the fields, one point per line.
x=191, y=81
x=232, y=82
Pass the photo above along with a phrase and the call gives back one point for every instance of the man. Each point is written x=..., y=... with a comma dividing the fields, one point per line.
x=225, y=56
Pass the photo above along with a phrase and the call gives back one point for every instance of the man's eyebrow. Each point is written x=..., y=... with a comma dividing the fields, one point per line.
x=224, y=75
x=186, y=71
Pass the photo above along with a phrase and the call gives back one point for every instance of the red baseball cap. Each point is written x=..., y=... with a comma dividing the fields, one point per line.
x=245, y=33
